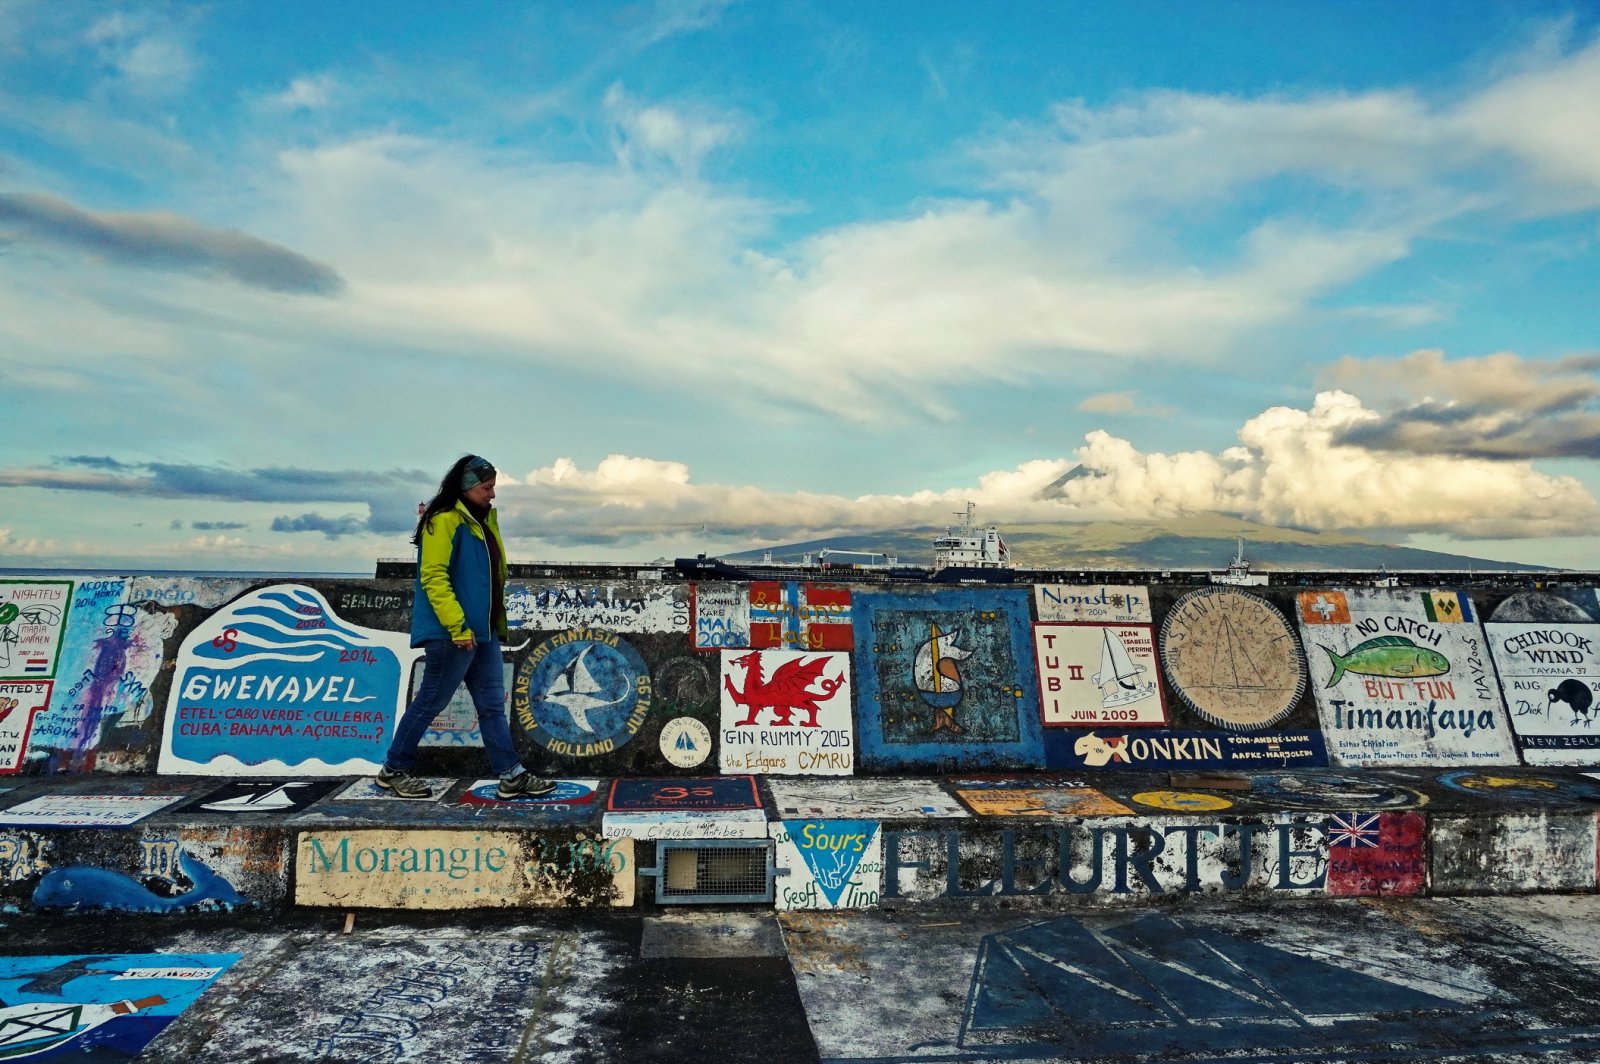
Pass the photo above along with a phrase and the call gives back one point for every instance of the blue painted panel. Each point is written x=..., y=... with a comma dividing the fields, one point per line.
x=1144, y=748
x=62, y=1007
x=1113, y=987
x=706, y=794
x=947, y=682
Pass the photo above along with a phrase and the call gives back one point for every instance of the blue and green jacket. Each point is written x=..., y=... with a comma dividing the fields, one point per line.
x=455, y=591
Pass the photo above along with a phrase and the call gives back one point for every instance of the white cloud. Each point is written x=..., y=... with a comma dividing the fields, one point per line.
x=1287, y=470
x=1290, y=470
x=1109, y=403
x=308, y=93
x=649, y=134
x=1546, y=118
x=149, y=55
x=26, y=547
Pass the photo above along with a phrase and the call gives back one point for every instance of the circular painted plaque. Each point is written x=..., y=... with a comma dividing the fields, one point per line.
x=1183, y=801
x=582, y=693
x=1232, y=657
x=685, y=742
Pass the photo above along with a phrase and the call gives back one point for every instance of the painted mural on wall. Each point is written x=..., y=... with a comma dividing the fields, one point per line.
x=582, y=693
x=278, y=683
x=706, y=807
x=1062, y=801
x=112, y=651
x=32, y=613
x=101, y=1007
x=441, y=869
x=1092, y=603
x=1094, y=674
x=1377, y=854
x=617, y=607
x=86, y=810
x=946, y=680
x=1335, y=790
x=1103, y=857
x=152, y=868
x=863, y=799
x=833, y=864
x=1164, y=749
x=457, y=724
x=772, y=614
x=787, y=712
x=1512, y=854
x=274, y=797
x=1539, y=607
x=1550, y=678
x=1403, y=678
x=721, y=615
x=20, y=702
x=1232, y=658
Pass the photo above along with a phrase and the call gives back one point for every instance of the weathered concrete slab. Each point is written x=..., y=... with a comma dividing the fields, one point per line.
x=711, y=933
x=1513, y=853
x=521, y=992
x=1337, y=981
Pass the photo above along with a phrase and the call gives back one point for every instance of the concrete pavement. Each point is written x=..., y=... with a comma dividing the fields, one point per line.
x=1270, y=982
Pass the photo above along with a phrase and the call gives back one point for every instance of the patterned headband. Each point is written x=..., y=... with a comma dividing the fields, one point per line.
x=477, y=471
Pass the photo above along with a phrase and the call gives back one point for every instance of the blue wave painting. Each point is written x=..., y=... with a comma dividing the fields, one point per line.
x=277, y=677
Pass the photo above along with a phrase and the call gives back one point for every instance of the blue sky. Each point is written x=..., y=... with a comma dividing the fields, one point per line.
x=702, y=275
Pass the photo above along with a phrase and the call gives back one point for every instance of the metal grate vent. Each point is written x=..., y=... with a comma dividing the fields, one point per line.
x=713, y=870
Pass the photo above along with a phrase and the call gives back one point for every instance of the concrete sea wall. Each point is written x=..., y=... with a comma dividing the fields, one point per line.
x=168, y=744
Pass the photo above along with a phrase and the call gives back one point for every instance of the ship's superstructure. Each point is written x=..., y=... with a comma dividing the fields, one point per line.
x=1238, y=572
x=970, y=547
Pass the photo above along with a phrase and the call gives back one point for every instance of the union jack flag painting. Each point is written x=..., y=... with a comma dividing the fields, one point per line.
x=1375, y=854
x=1353, y=829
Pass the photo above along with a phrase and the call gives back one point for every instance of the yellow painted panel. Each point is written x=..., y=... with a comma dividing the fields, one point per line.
x=442, y=869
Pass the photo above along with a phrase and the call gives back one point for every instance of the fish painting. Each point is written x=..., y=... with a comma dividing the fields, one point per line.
x=1388, y=655
x=83, y=887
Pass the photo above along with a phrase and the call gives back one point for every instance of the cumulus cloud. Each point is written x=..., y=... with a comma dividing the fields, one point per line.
x=1499, y=406
x=1291, y=468
x=23, y=547
x=167, y=241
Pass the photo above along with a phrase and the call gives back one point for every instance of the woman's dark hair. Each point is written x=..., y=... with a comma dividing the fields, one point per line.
x=450, y=490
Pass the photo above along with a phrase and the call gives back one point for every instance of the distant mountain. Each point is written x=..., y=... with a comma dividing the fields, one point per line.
x=1204, y=542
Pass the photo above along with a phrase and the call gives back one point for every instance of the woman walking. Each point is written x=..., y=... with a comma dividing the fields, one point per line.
x=458, y=617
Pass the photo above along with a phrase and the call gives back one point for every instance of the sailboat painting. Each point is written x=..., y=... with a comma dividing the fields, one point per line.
x=1097, y=674
x=581, y=693
x=104, y=1007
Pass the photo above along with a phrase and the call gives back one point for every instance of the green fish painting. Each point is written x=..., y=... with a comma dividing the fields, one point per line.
x=1388, y=655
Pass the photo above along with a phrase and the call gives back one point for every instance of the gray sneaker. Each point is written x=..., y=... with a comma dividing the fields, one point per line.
x=526, y=785
x=404, y=784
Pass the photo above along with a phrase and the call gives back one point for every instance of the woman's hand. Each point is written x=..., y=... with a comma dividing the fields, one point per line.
x=466, y=642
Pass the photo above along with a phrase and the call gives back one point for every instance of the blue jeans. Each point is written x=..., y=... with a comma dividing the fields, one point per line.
x=444, y=667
